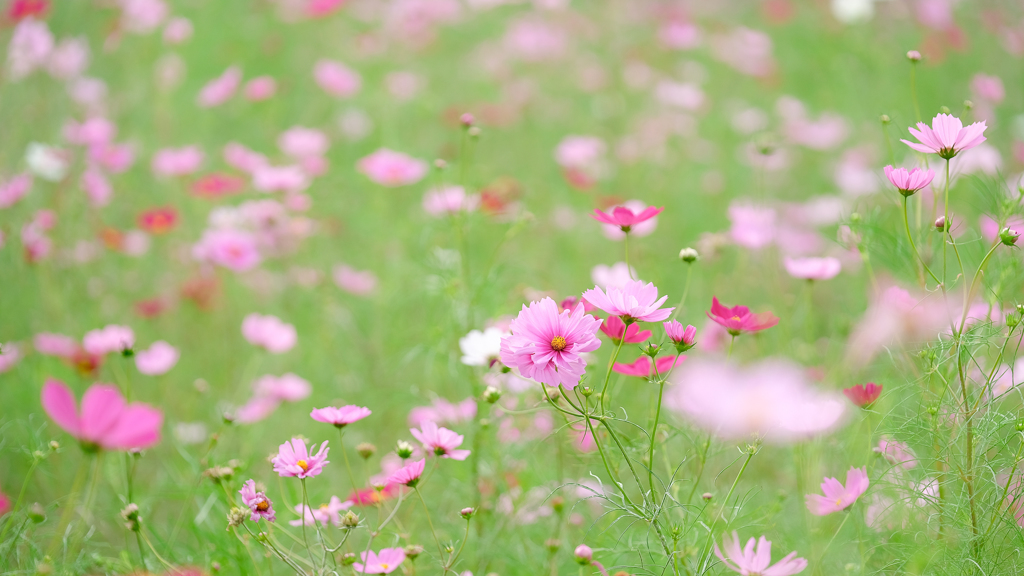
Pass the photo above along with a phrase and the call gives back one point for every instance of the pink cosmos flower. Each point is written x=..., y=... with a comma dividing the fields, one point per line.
x=294, y=460
x=235, y=250
x=15, y=189
x=386, y=562
x=158, y=359
x=220, y=89
x=389, y=168
x=897, y=317
x=946, y=137
x=93, y=131
x=408, y=475
x=115, y=158
x=771, y=399
x=279, y=179
x=10, y=353
x=444, y=411
x=330, y=512
x=988, y=88
x=633, y=302
x=177, y=161
x=739, y=319
x=449, y=200
x=30, y=46
x=288, y=387
x=258, y=503
x=105, y=421
x=5, y=504
x=337, y=79
x=751, y=561
x=616, y=275
x=625, y=218
x=269, y=332
x=838, y=497
x=340, y=417
x=753, y=226
x=300, y=142
x=55, y=345
x=97, y=187
x=260, y=88
x=546, y=345
x=442, y=441
x=863, y=395
x=642, y=366
x=813, y=268
x=897, y=453
x=358, y=282
x=615, y=329
x=177, y=30
x=256, y=409
x=111, y=338
x=69, y=59
x=142, y=16
x=908, y=182
x=676, y=333
x=238, y=156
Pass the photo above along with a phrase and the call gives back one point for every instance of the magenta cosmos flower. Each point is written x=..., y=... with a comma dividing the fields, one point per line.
x=617, y=330
x=908, y=181
x=947, y=136
x=105, y=421
x=442, y=441
x=625, y=218
x=838, y=497
x=408, y=475
x=642, y=366
x=546, y=345
x=751, y=561
x=634, y=301
x=739, y=319
x=294, y=460
x=390, y=168
x=863, y=395
x=813, y=268
x=340, y=417
x=684, y=338
x=258, y=503
x=385, y=562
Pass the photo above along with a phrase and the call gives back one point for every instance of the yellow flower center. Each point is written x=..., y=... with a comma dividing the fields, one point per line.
x=263, y=506
x=737, y=318
x=384, y=566
x=558, y=343
x=303, y=464
x=839, y=501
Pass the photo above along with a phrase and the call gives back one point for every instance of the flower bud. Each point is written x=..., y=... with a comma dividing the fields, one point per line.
x=215, y=566
x=689, y=255
x=228, y=417
x=584, y=554
x=440, y=164
x=558, y=504
x=365, y=449
x=54, y=445
x=491, y=394
x=552, y=544
x=44, y=568
x=940, y=224
x=587, y=391
x=403, y=449
x=236, y=516
x=885, y=118
x=219, y=473
x=131, y=517
x=413, y=550
x=1012, y=320
x=707, y=496
x=348, y=559
x=474, y=131
x=350, y=520
x=914, y=56
x=968, y=105
x=1008, y=236
x=1020, y=425
x=127, y=352
x=651, y=350
x=467, y=119
x=944, y=109
x=467, y=513
x=36, y=513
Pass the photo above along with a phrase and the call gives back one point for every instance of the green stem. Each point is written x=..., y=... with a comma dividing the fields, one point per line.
x=608, y=373
x=913, y=89
x=309, y=510
x=625, y=244
x=686, y=290
x=21, y=496
x=348, y=467
x=946, y=223
x=906, y=225
x=846, y=517
x=654, y=434
x=440, y=551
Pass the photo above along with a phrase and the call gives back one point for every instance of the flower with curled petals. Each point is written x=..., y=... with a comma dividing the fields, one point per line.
x=442, y=441
x=634, y=301
x=908, y=182
x=947, y=136
x=259, y=505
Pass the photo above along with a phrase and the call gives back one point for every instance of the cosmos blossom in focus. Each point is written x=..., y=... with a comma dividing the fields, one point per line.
x=838, y=497
x=259, y=505
x=294, y=459
x=546, y=345
x=908, y=181
x=633, y=302
x=946, y=137
x=441, y=441
x=634, y=217
x=740, y=319
x=384, y=562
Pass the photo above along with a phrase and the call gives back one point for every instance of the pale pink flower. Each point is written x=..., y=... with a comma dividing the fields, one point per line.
x=908, y=182
x=443, y=411
x=115, y=158
x=220, y=89
x=404, y=85
x=55, y=345
x=340, y=417
x=449, y=200
x=385, y=562
x=269, y=332
x=896, y=317
x=293, y=459
x=15, y=189
x=677, y=333
x=177, y=161
x=242, y=158
x=389, y=168
x=105, y=420
x=748, y=51
x=751, y=561
x=97, y=187
x=31, y=44
x=586, y=153
x=157, y=359
x=259, y=505
x=988, y=88
x=683, y=95
x=337, y=79
x=935, y=14
x=827, y=132
x=288, y=387
x=679, y=34
x=10, y=353
x=89, y=92
x=441, y=441
x=142, y=16
x=256, y=409
x=111, y=338
x=260, y=88
x=300, y=142
x=535, y=40
x=330, y=512
x=546, y=345
x=771, y=399
x=753, y=226
x=177, y=30
x=408, y=475
x=233, y=249
x=69, y=59
x=947, y=136
x=634, y=301
x=358, y=282
x=634, y=217
x=614, y=276
x=897, y=453
x=813, y=268
x=837, y=496
x=93, y=131
x=279, y=179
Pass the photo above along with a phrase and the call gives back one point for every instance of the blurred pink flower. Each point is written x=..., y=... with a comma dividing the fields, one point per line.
x=358, y=282
x=679, y=34
x=287, y=388
x=142, y=16
x=441, y=441
x=279, y=179
x=269, y=332
x=444, y=412
x=863, y=395
x=771, y=399
x=97, y=187
x=990, y=227
x=838, y=497
x=220, y=89
x=615, y=329
x=177, y=30
x=10, y=353
x=69, y=59
x=633, y=217
x=407, y=475
x=825, y=133
x=449, y=200
x=109, y=339
x=15, y=189
x=946, y=137
x=242, y=158
x=5, y=504
x=404, y=85
x=546, y=345
x=614, y=276
x=389, y=168
x=105, y=421
x=293, y=459
x=321, y=8
x=988, y=88
x=634, y=301
x=753, y=226
x=337, y=79
x=749, y=561
x=260, y=88
x=256, y=409
x=740, y=319
x=748, y=51
x=115, y=158
x=642, y=366
x=897, y=453
x=340, y=417
x=29, y=49
x=93, y=131
x=813, y=268
x=177, y=161
x=535, y=40
x=683, y=95
x=935, y=14
x=233, y=249
x=896, y=317
x=55, y=345
x=300, y=142
x=386, y=562
x=259, y=505
x=157, y=359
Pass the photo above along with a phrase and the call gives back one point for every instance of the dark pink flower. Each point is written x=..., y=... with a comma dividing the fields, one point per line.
x=442, y=441
x=293, y=459
x=546, y=345
x=838, y=497
x=625, y=218
x=642, y=366
x=407, y=475
x=863, y=395
x=340, y=417
x=908, y=181
x=947, y=136
x=105, y=421
x=258, y=503
x=634, y=301
x=684, y=338
x=617, y=330
x=739, y=319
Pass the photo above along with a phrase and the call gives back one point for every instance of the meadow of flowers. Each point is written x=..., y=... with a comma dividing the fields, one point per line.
x=511, y=287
